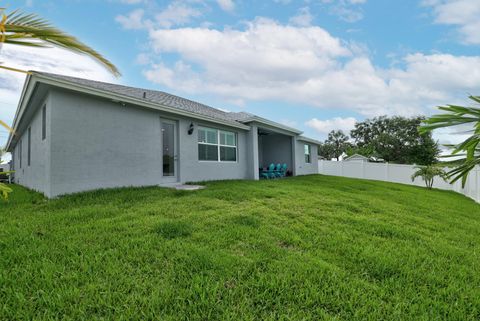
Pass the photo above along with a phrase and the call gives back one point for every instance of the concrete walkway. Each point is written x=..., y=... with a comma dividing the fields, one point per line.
x=182, y=187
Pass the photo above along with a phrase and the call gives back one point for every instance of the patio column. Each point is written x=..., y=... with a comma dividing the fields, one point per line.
x=294, y=156
x=252, y=152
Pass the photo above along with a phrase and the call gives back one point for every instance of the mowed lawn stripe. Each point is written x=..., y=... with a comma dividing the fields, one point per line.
x=304, y=248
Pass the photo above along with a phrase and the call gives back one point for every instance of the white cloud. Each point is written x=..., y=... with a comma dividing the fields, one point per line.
x=303, y=18
x=268, y=61
x=346, y=10
x=263, y=50
x=143, y=59
x=448, y=136
x=52, y=60
x=346, y=14
x=226, y=5
x=336, y=123
x=177, y=13
x=134, y=20
x=461, y=13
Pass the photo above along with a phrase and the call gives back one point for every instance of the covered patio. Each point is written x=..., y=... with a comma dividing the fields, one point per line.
x=275, y=148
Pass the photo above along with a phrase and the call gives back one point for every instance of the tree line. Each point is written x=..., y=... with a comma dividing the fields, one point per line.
x=394, y=139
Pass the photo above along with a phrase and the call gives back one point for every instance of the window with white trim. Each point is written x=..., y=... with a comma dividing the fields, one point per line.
x=44, y=122
x=216, y=145
x=29, y=146
x=20, y=153
x=307, y=150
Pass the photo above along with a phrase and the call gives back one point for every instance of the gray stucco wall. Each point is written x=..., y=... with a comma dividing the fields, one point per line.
x=95, y=142
x=35, y=176
x=94, y=139
x=303, y=168
x=275, y=148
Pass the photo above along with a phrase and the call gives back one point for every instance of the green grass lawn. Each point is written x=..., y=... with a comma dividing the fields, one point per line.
x=305, y=248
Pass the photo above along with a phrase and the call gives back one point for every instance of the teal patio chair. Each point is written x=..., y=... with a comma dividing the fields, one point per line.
x=278, y=170
x=264, y=173
x=271, y=171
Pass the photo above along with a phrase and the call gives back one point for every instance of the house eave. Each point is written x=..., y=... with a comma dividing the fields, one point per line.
x=21, y=103
x=309, y=140
x=264, y=121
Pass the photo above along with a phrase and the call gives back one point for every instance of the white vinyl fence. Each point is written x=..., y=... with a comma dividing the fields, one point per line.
x=398, y=174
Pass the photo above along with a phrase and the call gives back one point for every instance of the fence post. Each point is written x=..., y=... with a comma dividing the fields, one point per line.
x=386, y=172
x=363, y=169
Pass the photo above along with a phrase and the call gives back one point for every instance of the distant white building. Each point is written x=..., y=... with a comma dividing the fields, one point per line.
x=356, y=158
x=4, y=168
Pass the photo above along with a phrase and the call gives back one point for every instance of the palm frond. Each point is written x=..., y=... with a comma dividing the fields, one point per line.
x=468, y=150
x=4, y=191
x=31, y=30
x=4, y=125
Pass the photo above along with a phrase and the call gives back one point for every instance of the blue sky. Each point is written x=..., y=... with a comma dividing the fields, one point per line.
x=315, y=65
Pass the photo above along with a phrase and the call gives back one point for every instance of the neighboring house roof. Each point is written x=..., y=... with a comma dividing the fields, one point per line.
x=356, y=156
x=143, y=97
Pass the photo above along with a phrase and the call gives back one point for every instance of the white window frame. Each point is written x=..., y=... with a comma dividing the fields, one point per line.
x=20, y=147
x=29, y=146
x=218, y=131
x=309, y=154
x=44, y=122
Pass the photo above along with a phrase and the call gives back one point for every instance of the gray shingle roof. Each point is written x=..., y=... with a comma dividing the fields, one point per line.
x=167, y=100
x=154, y=96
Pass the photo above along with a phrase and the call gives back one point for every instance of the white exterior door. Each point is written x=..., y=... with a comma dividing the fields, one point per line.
x=169, y=149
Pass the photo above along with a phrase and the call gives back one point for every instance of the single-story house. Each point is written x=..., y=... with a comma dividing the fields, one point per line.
x=356, y=158
x=74, y=134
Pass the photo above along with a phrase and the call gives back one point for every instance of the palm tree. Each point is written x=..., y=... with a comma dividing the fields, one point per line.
x=467, y=152
x=18, y=28
x=428, y=173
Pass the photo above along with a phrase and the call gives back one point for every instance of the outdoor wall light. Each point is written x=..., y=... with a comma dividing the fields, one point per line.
x=190, y=129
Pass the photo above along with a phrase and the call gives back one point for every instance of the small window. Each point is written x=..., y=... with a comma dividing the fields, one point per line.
x=216, y=145
x=29, y=145
x=307, y=154
x=12, y=164
x=20, y=153
x=44, y=122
